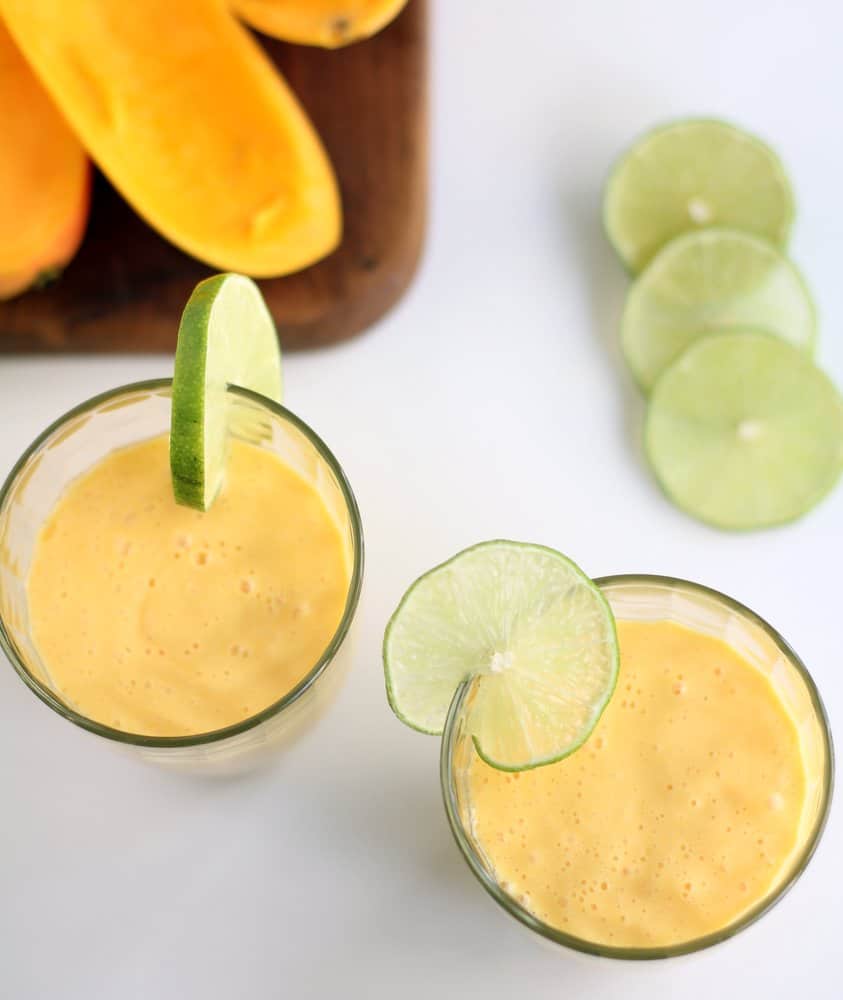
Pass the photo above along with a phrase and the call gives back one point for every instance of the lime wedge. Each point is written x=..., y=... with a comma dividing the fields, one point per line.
x=530, y=627
x=714, y=280
x=689, y=175
x=744, y=431
x=226, y=337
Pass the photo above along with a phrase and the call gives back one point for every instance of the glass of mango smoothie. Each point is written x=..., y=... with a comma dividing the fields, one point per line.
x=198, y=639
x=693, y=806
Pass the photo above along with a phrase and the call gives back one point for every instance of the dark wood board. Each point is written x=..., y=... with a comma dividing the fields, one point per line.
x=127, y=286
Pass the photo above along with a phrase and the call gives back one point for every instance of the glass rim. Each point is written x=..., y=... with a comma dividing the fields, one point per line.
x=638, y=953
x=295, y=693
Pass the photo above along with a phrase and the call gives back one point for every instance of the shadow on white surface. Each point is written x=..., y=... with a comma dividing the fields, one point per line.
x=605, y=285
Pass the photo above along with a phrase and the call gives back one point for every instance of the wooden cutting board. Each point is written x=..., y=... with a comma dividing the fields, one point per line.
x=126, y=287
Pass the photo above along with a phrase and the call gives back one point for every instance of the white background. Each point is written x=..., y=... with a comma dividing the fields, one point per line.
x=492, y=402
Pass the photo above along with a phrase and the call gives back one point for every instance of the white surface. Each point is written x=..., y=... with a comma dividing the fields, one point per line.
x=491, y=403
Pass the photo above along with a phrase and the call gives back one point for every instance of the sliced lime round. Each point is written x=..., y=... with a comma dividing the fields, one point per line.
x=691, y=174
x=714, y=280
x=533, y=630
x=744, y=431
x=226, y=337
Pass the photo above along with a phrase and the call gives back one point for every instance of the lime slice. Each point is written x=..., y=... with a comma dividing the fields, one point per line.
x=744, y=431
x=714, y=280
x=692, y=174
x=226, y=337
x=533, y=630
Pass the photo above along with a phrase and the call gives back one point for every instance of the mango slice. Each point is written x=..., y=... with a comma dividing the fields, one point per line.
x=329, y=23
x=184, y=112
x=45, y=179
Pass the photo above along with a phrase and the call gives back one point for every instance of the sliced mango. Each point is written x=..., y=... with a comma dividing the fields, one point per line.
x=329, y=23
x=183, y=111
x=45, y=179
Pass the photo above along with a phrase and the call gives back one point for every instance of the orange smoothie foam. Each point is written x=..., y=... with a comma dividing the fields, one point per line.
x=677, y=815
x=165, y=621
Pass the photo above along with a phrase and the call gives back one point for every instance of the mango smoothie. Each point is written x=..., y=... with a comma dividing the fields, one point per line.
x=678, y=814
x=159, y=620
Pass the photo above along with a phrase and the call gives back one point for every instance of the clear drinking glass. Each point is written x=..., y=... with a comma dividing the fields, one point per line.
x=78, y=441
x=657, y=598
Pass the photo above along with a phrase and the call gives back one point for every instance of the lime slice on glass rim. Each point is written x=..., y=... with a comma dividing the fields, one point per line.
x=226, y=337
x=535, y=633
x=744, y=431
x=688, y=175
x=707, y=281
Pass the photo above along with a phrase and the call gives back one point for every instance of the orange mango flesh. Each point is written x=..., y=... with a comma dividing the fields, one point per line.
x=181, y=108
x=44, y=179
x=328, y=23
x=156, y=619
x=675, y=817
